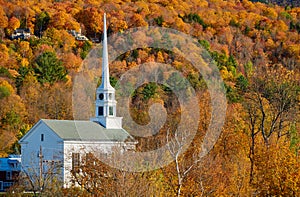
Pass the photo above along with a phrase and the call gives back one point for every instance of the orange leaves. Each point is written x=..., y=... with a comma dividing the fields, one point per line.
x=25, y=49
x=4, y=56
x=281, y=26
x=71, y=61
x=118, y=25
x=181, y=26
x=251, y=32
x=270, y=13
x=277, y=170
x=61, y=39
x=92, y=20
x=137, y=20
x=12, y=113
x=3, y=19
x=62, y=20
x=13, y=24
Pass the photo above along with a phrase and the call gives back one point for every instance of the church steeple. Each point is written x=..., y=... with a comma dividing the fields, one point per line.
x=105, y=94
x=105, y=68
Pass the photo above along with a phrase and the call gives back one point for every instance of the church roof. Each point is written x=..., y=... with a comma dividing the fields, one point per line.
x=81, y=130
x=85, y=130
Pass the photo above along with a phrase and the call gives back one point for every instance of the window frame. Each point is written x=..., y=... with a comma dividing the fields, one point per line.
x=101, y=109
x=75, y=161
x=111, y=111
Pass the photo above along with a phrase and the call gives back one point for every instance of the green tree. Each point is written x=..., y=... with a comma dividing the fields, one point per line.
x=4, y=92
x=242, y=83
x=42, y=22
x=49, y=68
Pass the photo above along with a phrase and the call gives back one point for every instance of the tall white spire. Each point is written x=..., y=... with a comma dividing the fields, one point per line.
x=105, y=68
x=105, y=112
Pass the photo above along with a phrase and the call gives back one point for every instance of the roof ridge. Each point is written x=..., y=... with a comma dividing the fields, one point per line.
x=85, y=130
x=66, y=120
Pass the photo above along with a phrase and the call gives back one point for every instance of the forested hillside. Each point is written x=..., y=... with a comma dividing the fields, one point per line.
x=255, y=46
x=293, y=3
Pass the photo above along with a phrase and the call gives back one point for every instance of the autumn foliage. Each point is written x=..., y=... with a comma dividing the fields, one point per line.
x=255, y=46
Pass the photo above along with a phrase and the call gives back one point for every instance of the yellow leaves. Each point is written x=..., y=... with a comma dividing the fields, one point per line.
x=67, y=41
x=60, y=38
x=225, y=74
x=160, y=57
x=24, y=62
x=281, y=26
x=252, y=19
x=7, y=86
x=3, y=18
x=228, y=172
x=68, y=80
x=118, y=25
x=138, y=20
x=277, y=170
x=294, y=49
x=270, y=13
x=270, y=44
x=295, y=13
x=210, y=16
x=143, y=7
x=178, y=65
x=24, y=49
x=4, y=56
x=181, y=26
x=12, y=108
x=249, y=5
x=63, y=20
x=241, y=16
x=201, y=3
x=91, y=18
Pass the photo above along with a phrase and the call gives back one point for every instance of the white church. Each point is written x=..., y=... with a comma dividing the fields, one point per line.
x=64, y=142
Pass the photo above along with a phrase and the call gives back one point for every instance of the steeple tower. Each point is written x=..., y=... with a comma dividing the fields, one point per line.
x=105, y=93
x=105, y=67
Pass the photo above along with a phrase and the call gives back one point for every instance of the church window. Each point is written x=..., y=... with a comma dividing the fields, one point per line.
x=75, y=161
x=111, y=111
x=42, y=137
x=8, y=175
x=110, y=96
x=100, y=111
x=101, y=96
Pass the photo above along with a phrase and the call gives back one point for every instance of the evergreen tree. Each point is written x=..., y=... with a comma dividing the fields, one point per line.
x=49, y=68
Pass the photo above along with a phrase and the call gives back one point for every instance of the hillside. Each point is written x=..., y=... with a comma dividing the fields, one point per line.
x=256, y=48
x=293, y=3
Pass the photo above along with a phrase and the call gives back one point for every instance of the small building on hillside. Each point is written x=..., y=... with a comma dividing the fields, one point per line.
x=57, y=146
x=78, y=35
x=10, y=168
x=21, y=34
